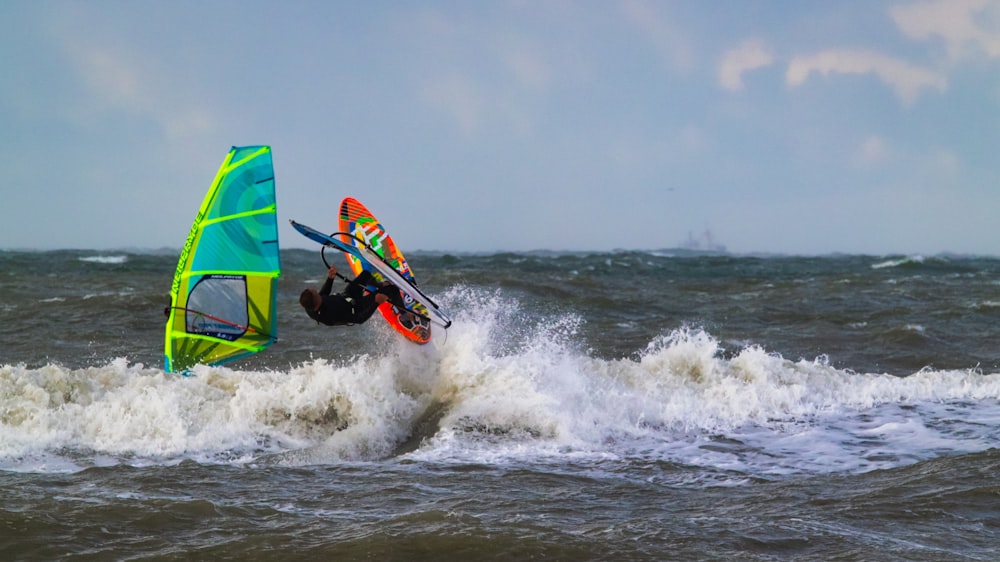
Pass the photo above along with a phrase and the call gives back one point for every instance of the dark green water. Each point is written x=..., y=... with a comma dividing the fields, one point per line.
x=633, y=406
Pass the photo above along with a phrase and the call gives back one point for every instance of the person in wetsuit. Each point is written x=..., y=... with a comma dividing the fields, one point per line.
x=352, y=306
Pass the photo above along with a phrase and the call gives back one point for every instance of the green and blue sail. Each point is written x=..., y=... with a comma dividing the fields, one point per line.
x=224, y=293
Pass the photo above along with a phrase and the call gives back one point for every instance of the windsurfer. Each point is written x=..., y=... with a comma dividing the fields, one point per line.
x=353, y=305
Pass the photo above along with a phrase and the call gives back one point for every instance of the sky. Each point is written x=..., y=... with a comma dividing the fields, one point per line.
x=797, y=127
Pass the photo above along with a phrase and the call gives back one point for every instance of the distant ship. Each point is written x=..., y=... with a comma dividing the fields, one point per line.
x=703, y=243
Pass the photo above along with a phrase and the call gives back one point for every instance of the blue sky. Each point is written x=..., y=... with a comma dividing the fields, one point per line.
x=791, y=127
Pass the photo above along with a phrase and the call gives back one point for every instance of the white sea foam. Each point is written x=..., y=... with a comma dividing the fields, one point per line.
x=104, y=259
x=896, y=262
x=500, y=389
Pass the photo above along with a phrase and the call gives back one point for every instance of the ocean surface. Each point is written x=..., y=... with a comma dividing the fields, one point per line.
x=584, y=406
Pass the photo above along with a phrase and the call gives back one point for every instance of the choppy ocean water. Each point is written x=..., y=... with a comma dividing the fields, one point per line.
x=633, y=405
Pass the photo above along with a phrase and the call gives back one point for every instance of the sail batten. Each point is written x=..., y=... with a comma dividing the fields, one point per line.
x=224, y=292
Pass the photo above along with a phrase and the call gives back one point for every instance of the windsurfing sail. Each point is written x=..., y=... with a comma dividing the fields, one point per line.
x=224, y=294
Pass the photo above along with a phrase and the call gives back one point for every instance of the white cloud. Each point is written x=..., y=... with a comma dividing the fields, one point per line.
x=458, y=98
x=640, y=153
x=669, y=40
x=965, y=26
x=751, y=55
x=110, y=77
x=693, y=139
x=945, y=163
x=905, y=79
x=117, y=81
x=872, y=151
x=528, y=69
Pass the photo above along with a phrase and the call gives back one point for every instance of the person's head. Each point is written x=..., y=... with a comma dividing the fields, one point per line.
x=310, y=299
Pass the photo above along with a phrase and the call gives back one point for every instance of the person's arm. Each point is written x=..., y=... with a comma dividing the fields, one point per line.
x=331, y=274
x=327, y=287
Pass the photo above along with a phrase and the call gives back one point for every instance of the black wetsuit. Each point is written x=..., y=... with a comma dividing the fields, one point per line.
x=352, y=306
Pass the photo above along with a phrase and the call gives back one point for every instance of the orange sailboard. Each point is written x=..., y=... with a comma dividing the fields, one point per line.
x=359, y=227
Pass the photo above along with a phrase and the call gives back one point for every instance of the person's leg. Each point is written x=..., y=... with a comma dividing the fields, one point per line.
x=364, y=308
x=365, y=278
x=394, y=294
x=356, y=288
x=355, y=291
